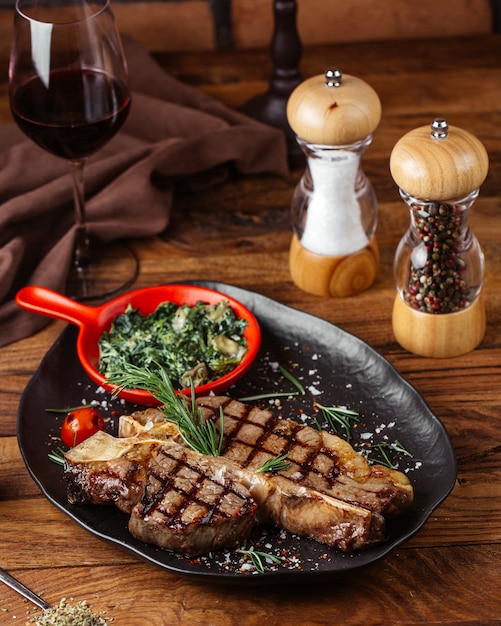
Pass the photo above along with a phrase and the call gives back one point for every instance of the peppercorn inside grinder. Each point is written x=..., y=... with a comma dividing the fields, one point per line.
x=439, y=267
x=333, y=250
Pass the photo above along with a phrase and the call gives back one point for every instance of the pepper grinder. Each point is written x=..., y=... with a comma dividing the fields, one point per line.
x=438, y=311
x=333, y=250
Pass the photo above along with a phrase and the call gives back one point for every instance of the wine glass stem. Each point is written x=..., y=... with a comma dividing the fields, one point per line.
x=82, y=256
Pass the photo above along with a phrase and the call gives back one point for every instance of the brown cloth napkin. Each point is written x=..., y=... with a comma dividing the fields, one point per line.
x=174, y=134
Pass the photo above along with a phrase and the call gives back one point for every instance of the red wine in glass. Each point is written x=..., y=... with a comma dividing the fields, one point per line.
x=96, y=106
x=69, y=93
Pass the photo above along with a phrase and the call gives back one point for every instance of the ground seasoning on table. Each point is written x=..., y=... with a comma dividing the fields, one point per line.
x=64, y=614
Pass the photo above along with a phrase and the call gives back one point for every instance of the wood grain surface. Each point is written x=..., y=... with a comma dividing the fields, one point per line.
x=239, y=232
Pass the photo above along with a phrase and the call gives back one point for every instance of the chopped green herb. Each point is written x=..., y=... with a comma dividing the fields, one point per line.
x=200, y=434
x=196, y=344
x=259, y=559
x=276, y=464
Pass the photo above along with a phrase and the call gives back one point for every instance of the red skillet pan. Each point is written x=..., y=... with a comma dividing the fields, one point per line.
x=93, y=321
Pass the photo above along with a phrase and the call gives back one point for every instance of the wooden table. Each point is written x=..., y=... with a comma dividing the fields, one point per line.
x=450, y=572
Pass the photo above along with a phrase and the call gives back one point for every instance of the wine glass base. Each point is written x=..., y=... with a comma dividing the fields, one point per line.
x=113, y=270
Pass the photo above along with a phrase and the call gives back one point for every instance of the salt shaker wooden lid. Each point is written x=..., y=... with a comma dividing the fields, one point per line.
x=440, y=162
x=333, y=109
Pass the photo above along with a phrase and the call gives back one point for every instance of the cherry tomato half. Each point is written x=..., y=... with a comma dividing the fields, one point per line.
x=80, y=424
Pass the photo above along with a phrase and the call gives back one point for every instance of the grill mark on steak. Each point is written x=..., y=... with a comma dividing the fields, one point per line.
x=275, y=436
x=318, y=460
x=192, y=503
x=178, y=474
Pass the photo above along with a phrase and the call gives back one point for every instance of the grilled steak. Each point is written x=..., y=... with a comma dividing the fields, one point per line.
x=318, y=460
x=106, y=470
x=188, y=502
x=309, y=513
x=179, y=499
x=175, y=500
x=191, y=503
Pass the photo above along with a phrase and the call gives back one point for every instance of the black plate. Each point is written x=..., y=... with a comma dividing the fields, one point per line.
x=334, y=366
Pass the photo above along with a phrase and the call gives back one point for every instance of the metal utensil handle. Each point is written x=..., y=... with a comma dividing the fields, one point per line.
x=18, y=586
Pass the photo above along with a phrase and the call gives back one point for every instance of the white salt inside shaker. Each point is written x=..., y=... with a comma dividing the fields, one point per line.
x=334, y=208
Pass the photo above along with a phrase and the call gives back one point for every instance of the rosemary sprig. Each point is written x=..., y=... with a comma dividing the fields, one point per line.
x=281, y=394
x=198, y=433
x=69, y=409
x=259, y=559
x=275, y=464
x=336, y=416
x=57, y=456
x=264, y=396
x=396, y=446
x=292, y=379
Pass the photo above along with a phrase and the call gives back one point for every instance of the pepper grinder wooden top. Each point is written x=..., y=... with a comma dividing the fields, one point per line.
x=441, y=164
x=333, y=110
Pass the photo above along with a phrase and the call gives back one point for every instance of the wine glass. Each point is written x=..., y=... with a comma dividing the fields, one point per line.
x=69, y=93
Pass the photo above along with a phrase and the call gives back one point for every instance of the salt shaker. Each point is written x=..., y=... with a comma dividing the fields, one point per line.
x=333, y=250
x=439, y=266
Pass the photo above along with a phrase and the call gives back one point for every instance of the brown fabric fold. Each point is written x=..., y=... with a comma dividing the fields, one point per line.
x=174, y=134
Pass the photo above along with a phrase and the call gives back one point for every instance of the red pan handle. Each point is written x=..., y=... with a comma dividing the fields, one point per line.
x=54, y=304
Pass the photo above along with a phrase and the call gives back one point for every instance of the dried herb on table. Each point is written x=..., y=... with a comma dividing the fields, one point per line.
x=64, y=614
